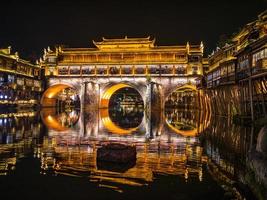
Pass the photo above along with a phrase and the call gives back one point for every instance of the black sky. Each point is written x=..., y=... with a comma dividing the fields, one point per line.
x=29, y=26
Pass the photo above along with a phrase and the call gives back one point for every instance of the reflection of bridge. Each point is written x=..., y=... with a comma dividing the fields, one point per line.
x=96, y=73
x=181, y=157
x=166, y=152
x=160, y=149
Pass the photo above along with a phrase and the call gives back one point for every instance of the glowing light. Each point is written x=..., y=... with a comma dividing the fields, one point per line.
x=51, y=122
x=51, y=92
x=50, y=95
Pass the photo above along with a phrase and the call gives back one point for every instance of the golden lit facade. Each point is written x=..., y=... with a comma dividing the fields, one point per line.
x=222, y=66
x=97, y=73
x=125, y=57
x=236, y=79
x=243, y=56
x=20, y=81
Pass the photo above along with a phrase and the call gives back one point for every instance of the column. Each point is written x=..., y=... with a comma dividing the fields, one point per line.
x=83, y=94
x=147, y=105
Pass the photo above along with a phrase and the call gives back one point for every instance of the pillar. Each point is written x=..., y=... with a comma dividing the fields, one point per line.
x=148, y=100
x=90, y=95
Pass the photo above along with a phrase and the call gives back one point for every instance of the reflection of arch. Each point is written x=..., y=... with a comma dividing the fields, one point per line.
x=49, y=97
x=48, y=118
x=51, y=121
x=107, y=122
x=111, y=90
x=203, y=123
x=187, y=133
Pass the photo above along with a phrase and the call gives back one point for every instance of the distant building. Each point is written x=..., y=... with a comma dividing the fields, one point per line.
x=20, y=81
x=244, y=56
x=236, y=81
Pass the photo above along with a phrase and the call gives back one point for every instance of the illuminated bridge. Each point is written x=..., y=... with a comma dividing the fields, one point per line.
x=93, y=75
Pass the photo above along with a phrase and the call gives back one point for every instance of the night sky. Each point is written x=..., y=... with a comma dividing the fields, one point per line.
x=29, y=26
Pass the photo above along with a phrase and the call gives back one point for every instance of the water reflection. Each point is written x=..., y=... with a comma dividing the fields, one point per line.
x=227, y=145
x=186, y=122
x=59, y=121
x=180, y=143
x=126, y=117
x=18, y=132
x=166, y=152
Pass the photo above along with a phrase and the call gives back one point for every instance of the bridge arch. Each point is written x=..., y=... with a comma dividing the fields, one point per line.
x=109, y=90
x=182, y=88
x=49, y=97
x=177, y=96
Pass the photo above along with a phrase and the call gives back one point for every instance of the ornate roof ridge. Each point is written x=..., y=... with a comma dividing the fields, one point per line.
x=126, y=38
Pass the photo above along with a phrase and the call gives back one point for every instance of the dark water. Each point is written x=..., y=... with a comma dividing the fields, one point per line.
x=181, y=154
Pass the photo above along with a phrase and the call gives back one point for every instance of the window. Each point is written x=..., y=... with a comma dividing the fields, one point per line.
x=114, y=69
x=51, y=59
x=231, y=68
x=29, y=82
x=20, y=81
x=140, y=69
x=209, y=77
x=11, y=78
x=181, y=69
x=101, y=69
x=153, y=69
x=223, y=70
x=85, y=70
x=126, y=69
x=75, y=70
x=88, y=69
x=36, y=72
x=194, y=58
x=62, y=70
x=37, y=83
x=166, y=69
x=194, y=70
x=258, y=56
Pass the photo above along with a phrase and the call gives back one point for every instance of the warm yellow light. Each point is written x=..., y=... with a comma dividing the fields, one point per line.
x=50, y=95
x=49, y=118
x=109, y=92
x=113, y=89
x=52, y=122
x=52, y=92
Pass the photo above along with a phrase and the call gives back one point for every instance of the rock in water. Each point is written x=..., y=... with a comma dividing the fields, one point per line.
x=117, y=153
